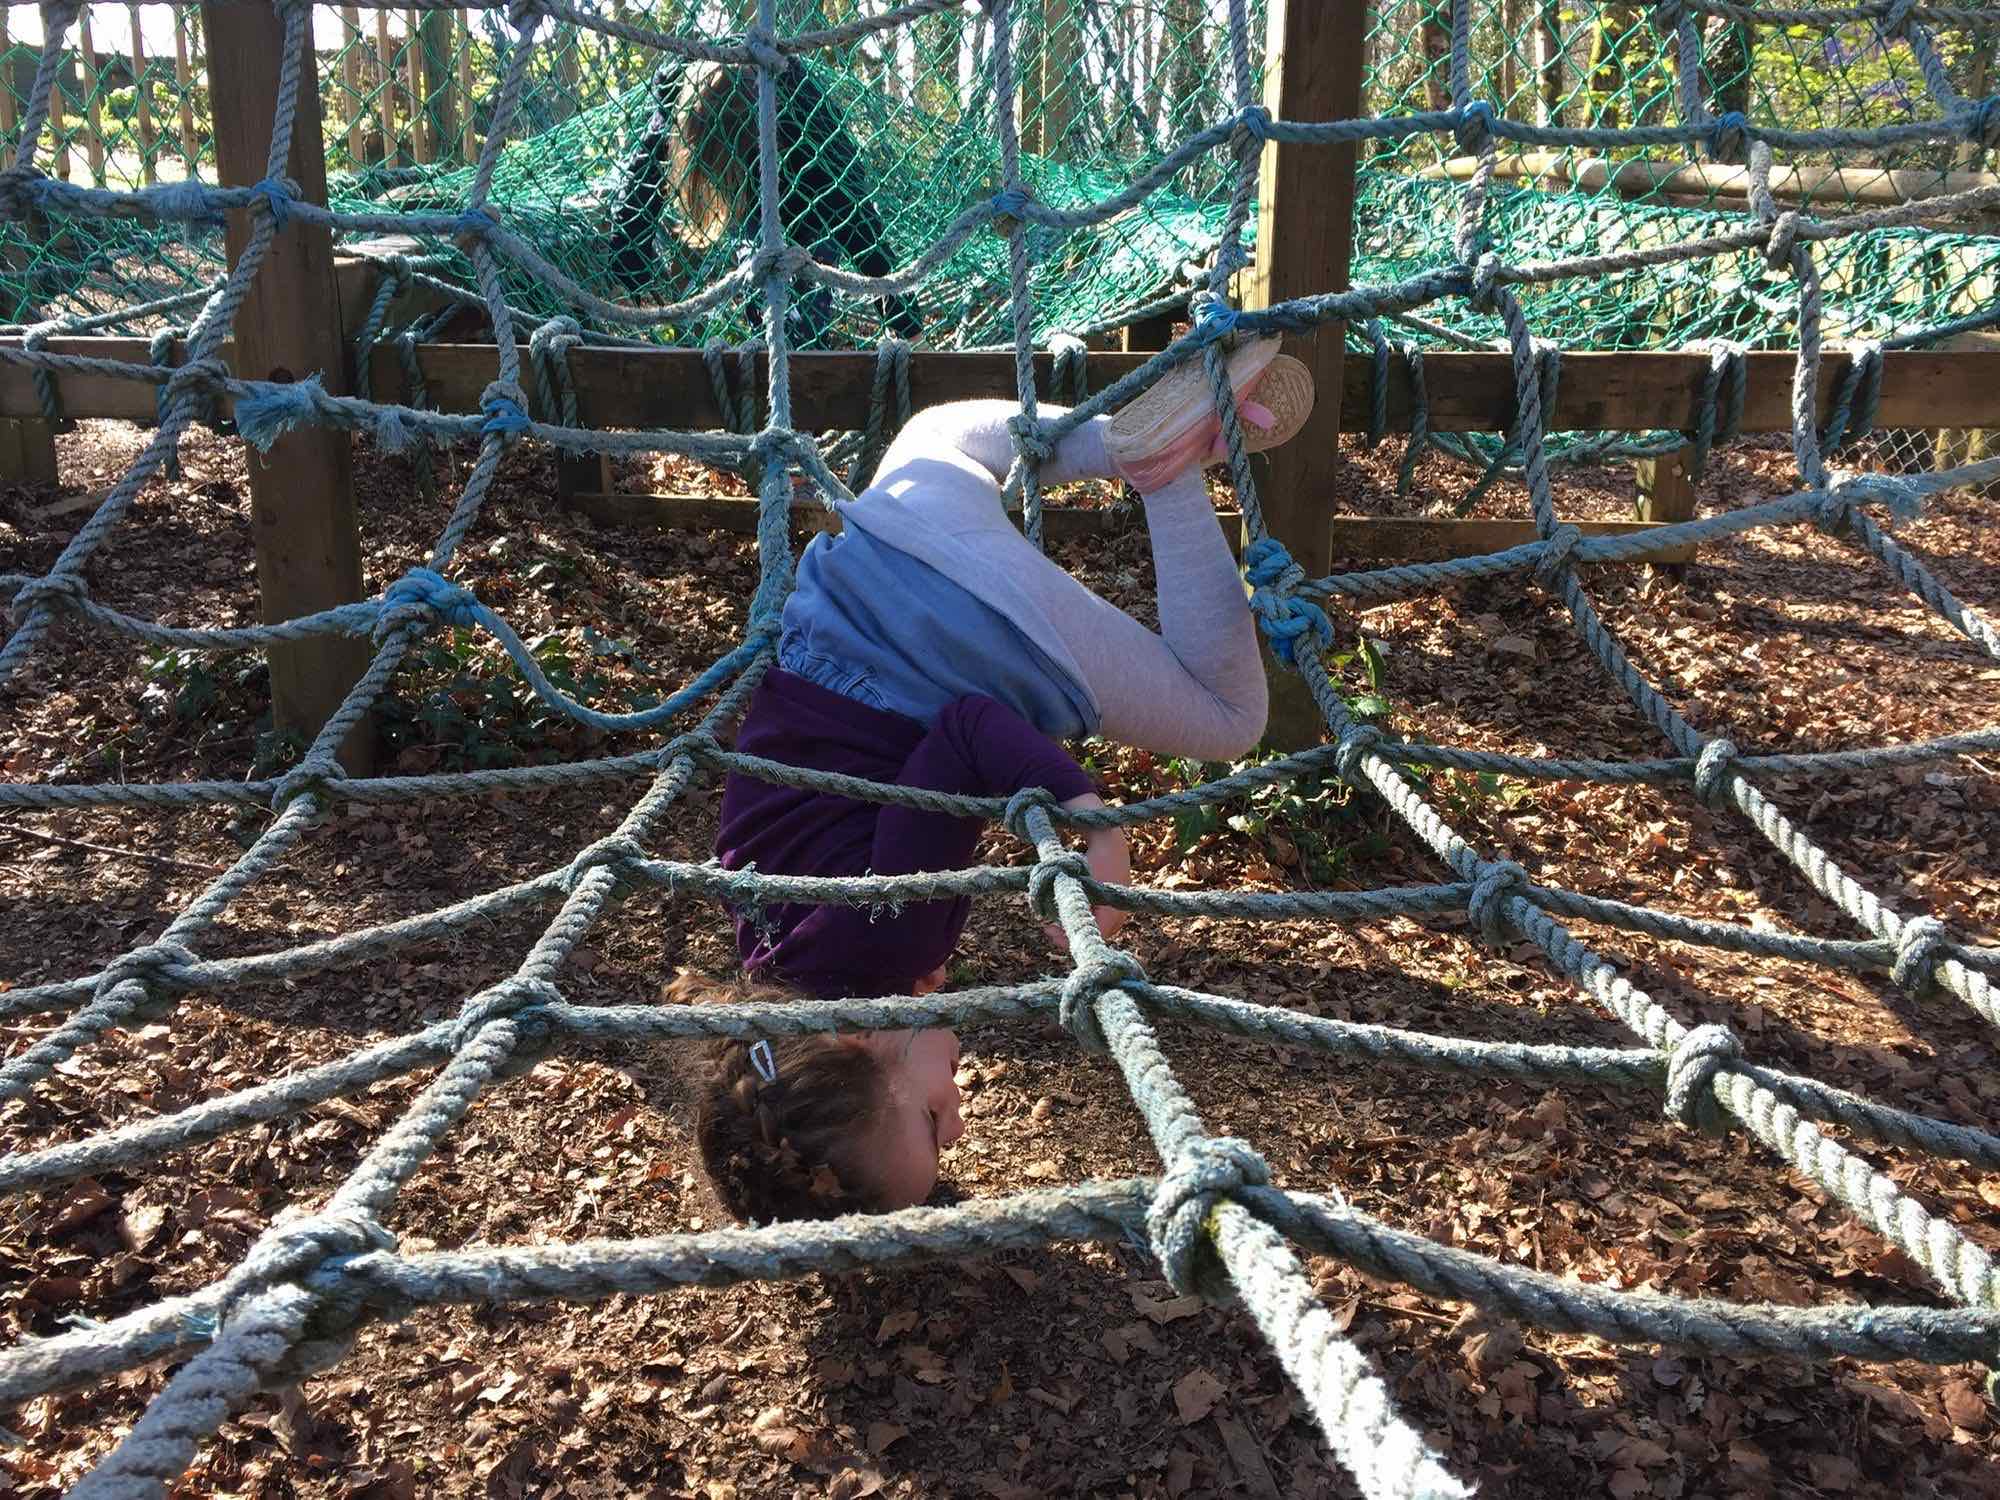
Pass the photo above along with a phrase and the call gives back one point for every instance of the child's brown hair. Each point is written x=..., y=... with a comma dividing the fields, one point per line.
x=785, y=1149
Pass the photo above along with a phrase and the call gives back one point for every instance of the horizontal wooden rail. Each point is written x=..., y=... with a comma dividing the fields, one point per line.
x=1468, y=392
x=1874, y=187
x=1411, y=539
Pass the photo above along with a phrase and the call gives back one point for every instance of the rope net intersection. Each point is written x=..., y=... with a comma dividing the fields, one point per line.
x=1213, y=1218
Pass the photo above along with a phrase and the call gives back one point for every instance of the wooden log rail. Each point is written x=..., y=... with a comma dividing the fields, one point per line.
x=1469, y=392
x=628, y=388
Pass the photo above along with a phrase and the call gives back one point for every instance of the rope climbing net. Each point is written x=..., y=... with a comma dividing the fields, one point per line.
x=1213, y=1217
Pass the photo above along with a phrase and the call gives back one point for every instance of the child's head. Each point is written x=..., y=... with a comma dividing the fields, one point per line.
x=851, y=1122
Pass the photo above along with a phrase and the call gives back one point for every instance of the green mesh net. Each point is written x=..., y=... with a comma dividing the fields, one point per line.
x=635, y=179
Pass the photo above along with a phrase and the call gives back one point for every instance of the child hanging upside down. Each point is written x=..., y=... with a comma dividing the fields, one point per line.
x=931, y=645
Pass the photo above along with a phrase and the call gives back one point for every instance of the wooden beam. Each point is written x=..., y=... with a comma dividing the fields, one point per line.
x=142, y=103
x=468, y=142
x=302, y=492
x=28, y=451
x=1419, y=539
x=1393, y=538
x=350, y=79
x=1305, y=237
x=1875, y=186
x=1666, y=488
x=1468, y=392
x=93, y=103
x=184, y=83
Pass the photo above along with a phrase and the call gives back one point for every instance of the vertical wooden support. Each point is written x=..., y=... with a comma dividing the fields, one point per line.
x=10, y=110
x=350, y=81
x=1666, y=493
x=1062, y=75
x=468, y=142
x=27, y=451
x=1305, y=223
x=1148, y=336
x=184, y=81
x=439, y=97
x=58, y=138
x=302, y=493
x=142, y=102
x=93, y=101
x=569, y=71
x=413, y=71
x=385, y=95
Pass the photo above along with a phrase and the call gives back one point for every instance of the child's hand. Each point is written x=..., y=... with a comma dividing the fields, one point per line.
x=1109, y=855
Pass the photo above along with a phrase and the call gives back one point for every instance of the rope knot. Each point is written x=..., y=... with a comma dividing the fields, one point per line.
x=609, y=852
x=1487, y=904
x=1556, y=553
x=21, y=191
x=474, y=224
x=1215, y=319
x=1474, y=126
x=424, y=593
x=1107, y=969
x=1256, y=120
x=698, y=745
x=1712, y=771
x=762, y=45
x=1833, y=509
x=525, y=16
x=1484, y=287
x=1202, y=1173
x=1285, y=617
x=292, y=1252
x=1008, y=204
x=50, y=589
x=159, y=968
x=1979, y=124
x=1784, y=238
x=1356, y=741
x=1042, y=881
x=309, y=775
x=1029, y=439
x=1726, y=135
x=1667, y=16
x=1692, y=1063
x=789, y=261
x=1895, y=18
x=505, y=1001
x=1919, y=945
x=278, y=194
x=274, y=408
x=557, y=336
x=1016, y=816
x=506, y=408
x=198, y=377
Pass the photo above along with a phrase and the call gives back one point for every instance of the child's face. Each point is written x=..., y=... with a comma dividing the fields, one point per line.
x=921, y=1118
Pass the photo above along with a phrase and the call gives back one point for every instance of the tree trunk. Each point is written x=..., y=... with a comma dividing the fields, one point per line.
x=1436, y=31
x=1548, y=63
x=1973, y=157
x=1608, y=74
x=938, y=42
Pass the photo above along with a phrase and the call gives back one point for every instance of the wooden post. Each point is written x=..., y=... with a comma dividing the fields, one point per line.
x=468, y=142
x=184, y=80
x=142, y=107
x=385, y=96
x=1666, y=492
x=350, y=80
x=9, y=109
x=93, y=104
x=58, y=140
x=413, y=70
x=1305, y=222
x=439, y=96
x=1062, y=75
x=302, y=493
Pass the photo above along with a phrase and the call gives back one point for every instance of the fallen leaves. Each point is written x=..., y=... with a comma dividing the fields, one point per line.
x=1195, y=1395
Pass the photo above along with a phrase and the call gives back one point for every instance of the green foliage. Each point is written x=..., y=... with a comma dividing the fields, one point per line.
x=461, y=705
x=1314, y=823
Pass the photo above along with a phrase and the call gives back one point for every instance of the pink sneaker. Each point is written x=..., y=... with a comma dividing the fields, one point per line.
x=1172, y=427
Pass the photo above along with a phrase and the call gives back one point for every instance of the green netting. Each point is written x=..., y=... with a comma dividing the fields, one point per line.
x=636, y=181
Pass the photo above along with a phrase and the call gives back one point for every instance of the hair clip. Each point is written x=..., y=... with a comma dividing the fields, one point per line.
x=762, y=1060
